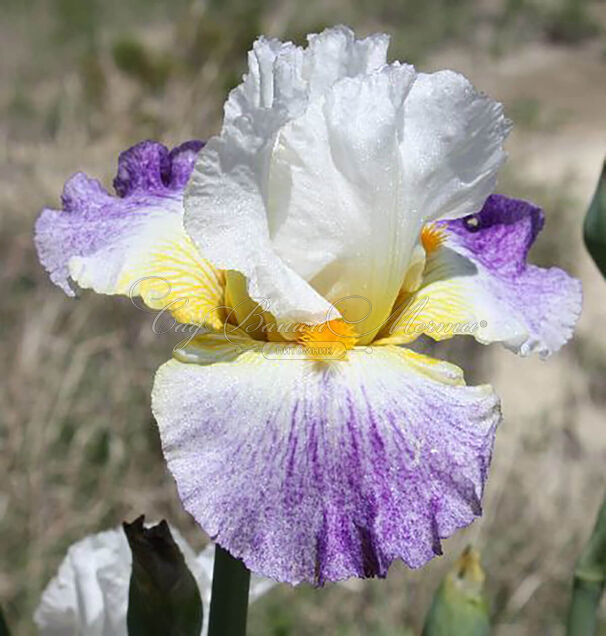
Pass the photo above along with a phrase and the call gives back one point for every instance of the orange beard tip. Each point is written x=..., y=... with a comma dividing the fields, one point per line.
x=431, y=237
x=332, y=338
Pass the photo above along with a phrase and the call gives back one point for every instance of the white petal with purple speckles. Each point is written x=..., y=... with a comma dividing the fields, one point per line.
x=315, y=472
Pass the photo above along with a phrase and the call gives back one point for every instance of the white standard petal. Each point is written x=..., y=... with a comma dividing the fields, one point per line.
x=452, y=147
x=327, y=166
x=334, y=205
x=285, y=78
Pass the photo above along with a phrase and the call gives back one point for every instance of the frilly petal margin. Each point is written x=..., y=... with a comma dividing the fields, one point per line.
x=320, y=472
x=478, y=275
x=132, y=243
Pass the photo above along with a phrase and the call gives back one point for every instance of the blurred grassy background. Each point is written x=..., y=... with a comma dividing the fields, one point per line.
x=81, y=80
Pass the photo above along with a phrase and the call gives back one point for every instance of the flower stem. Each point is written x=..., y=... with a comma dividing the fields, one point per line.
x=589, y=581
x=229, y=599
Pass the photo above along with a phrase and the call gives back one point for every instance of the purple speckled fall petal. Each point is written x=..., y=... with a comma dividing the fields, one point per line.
x=90, y=239
x=478, y=276
x=320, y=472
x=133, y=243
x=497, y=241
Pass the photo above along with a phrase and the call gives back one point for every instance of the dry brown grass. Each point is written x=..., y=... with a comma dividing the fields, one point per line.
x=78, y=447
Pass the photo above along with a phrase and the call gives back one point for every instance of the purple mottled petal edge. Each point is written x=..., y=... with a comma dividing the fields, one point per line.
x=148, y=176
x=498, y=239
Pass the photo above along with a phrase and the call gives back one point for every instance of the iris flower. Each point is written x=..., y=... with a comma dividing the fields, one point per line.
x=344, y=209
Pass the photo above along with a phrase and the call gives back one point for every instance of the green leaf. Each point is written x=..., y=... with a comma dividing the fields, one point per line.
x=459, y=607
x=163, y=599
x=594, y=230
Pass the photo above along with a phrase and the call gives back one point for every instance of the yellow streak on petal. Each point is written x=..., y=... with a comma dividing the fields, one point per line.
x=175, y=277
